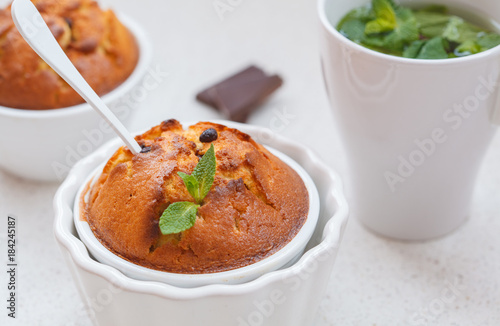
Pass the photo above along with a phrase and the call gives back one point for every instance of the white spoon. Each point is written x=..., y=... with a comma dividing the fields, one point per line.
x=37, y=34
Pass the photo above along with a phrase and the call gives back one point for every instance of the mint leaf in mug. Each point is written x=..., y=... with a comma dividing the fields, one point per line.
x=385, y=18
x=460, y=31
x=467, y=48
x=354, y=30
x=393, y=29
x=453, y=29
x=431, y=24
x=204, y=172
x=178, y=217
x=413, y=50
x=434, y=49
x=405, y=33
x=488, y=41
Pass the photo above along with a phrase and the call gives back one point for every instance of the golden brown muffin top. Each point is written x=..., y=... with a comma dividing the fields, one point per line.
x=100, y=47
x=256, y=205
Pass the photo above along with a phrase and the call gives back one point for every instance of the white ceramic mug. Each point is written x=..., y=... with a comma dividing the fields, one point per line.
x=414, y=131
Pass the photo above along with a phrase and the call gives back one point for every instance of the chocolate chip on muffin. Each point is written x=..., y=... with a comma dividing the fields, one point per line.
x=145, y=149
x=209, y=135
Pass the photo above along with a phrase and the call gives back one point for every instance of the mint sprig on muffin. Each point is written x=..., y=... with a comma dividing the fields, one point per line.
x=181, y=216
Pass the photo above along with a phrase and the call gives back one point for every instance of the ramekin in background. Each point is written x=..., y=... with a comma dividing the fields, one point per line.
x=289, y=296
x=43, y=145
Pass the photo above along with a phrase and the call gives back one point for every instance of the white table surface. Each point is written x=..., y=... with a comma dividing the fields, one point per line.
x=452, y=281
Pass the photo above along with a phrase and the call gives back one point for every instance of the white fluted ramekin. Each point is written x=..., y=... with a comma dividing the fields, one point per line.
x=284, y=257
x=43, y=145
x=111, y=298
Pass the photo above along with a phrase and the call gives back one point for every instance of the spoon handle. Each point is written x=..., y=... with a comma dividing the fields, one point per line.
x=37, y=34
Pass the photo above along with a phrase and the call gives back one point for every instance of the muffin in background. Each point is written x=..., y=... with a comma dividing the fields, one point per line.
x=257, y=203
x=97, y=43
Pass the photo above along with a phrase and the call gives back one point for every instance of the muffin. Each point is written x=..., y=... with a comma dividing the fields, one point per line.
x=97, y=43
x=256, y=205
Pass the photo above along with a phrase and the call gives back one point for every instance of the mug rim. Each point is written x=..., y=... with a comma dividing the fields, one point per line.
x=332, y=30
x=145, y=55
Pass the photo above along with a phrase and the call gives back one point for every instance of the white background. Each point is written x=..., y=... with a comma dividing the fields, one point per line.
x=375, y=281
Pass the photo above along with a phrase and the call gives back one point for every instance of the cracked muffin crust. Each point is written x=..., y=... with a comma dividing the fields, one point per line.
x=97, y=43
x=256, y=205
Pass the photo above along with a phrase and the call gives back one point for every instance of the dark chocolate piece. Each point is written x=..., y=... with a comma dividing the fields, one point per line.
x=237, y=96
x=250, y=73
x=237, y=102
x=209, y=135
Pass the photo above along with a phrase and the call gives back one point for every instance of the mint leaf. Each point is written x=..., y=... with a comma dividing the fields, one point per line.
x=181, y=216
x=192, y=185
x=204, y=172
x=353, y=30
x=488, y=41
x=353, y=24
x=467, y=48
x=414, y=49
x=427, y=49
x=431, y=24
x=433, y=49
x=386, y=27
x=200, y=181
x=385, y=18
x=451, y=31
x=460, y=31
x=178, y=217
x=403, y=33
